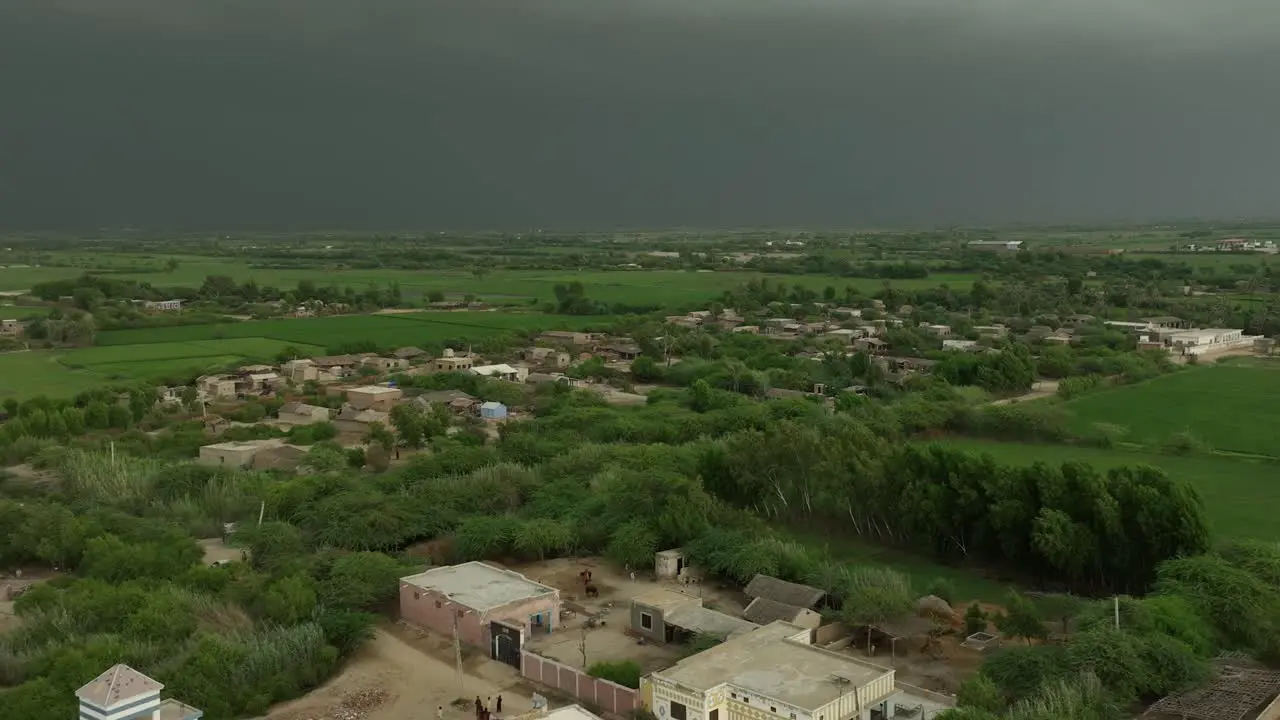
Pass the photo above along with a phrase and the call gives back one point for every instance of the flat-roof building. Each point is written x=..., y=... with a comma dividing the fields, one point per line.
x=672, y=616
x=772, y=671
x=487, y=606
x=374, y=397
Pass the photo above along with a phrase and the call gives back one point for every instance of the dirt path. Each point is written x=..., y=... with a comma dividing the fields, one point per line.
x=404, y=675
x=1042, y=389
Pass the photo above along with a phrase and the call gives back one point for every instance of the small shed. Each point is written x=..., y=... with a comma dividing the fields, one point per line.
x=669, y=564
x=787, y=593
x=493, y=411
x=665, y=615
x=763, y=611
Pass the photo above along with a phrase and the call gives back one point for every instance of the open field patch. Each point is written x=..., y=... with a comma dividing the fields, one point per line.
x=640, y=287
x=385, y=330
x=247, y=347
x=1230, y=406
x=1241, y=496
x=62, y=373
x=38, y=372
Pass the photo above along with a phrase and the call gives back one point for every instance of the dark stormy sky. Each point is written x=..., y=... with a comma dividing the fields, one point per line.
x=591, y=114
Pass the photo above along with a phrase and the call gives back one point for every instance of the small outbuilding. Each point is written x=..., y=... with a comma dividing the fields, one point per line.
x=763, y=611
x=781, y=591
x=298, y=413
x=493, y=411
x=665, y=615
x=669, y=564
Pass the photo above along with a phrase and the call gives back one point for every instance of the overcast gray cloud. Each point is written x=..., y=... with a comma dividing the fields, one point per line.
x=297, y=114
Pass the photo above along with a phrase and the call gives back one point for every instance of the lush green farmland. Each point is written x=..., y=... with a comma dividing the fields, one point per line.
x=1241, y=496
x=22, y=312
x=27, y=374
x=1230, y=406
x=385, y=330
x=250, y=347
x=67, y=372
x=666, y=287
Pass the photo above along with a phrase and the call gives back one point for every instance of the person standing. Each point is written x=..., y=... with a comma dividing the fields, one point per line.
x=439, y=712
x=498, y=708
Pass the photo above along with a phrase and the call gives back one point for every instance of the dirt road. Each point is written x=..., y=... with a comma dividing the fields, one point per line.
x=405, y=675
x=1042, y=389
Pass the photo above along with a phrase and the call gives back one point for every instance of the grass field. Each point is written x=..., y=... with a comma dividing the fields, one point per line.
x=668, y=287
x=63, y=373
x=388, y=330
x=27, y=374
x=22, y=312
x=1241, y=496
x=1231, y=406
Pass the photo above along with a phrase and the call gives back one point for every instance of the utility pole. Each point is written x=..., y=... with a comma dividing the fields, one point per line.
x=457, y=656
x=1117, y=608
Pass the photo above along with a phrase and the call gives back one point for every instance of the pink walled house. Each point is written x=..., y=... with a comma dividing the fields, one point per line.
x=493, y=608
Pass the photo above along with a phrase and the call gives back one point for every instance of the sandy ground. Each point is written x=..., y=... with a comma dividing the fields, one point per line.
x=403, y=674
x=611, y=641
x=942, y=667
x=10, y=585
x=217, y=551
x=1042, y=389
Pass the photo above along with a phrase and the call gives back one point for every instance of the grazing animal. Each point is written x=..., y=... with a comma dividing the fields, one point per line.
x=593, y=591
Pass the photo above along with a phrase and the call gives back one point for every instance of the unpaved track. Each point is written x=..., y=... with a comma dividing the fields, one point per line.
x=415, y=677
x=1042, y=389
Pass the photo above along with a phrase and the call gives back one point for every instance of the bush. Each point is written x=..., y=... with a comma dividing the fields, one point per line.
x=1183, y=443
x=624, y=672
x=975, y=620
x=943, y=588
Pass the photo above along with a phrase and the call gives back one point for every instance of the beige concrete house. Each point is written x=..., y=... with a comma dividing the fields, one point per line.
x=217, y=387
x=235, y=454
x=353, y=420
x=566, y=337
x=297, y=413
x=374, y=397
x=385, y=364
x=451, y=361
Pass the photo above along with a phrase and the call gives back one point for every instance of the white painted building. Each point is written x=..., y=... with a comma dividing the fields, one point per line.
x=510, y=373
x=772, y=673
x=123, y=693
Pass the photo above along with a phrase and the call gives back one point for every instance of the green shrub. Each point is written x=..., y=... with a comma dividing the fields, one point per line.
x=623, y=672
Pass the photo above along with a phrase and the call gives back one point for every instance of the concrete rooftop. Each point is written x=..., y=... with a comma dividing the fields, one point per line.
x=478, y=586
x=665, y=600
x=570, y=712
x=765, y=662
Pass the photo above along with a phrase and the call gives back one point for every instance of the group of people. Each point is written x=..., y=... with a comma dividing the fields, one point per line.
x=483, y=711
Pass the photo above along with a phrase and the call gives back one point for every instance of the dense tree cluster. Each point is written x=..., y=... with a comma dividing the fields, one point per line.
x=1070, y=525
x=230, y=640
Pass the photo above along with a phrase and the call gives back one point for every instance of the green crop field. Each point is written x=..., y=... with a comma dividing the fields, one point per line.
x=385, y=330
x=1241, y=496
x=1230, y=406
x=22, y=312
x=248, y=347
x=639, y=287
x=27, y=374
x=66, y=372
